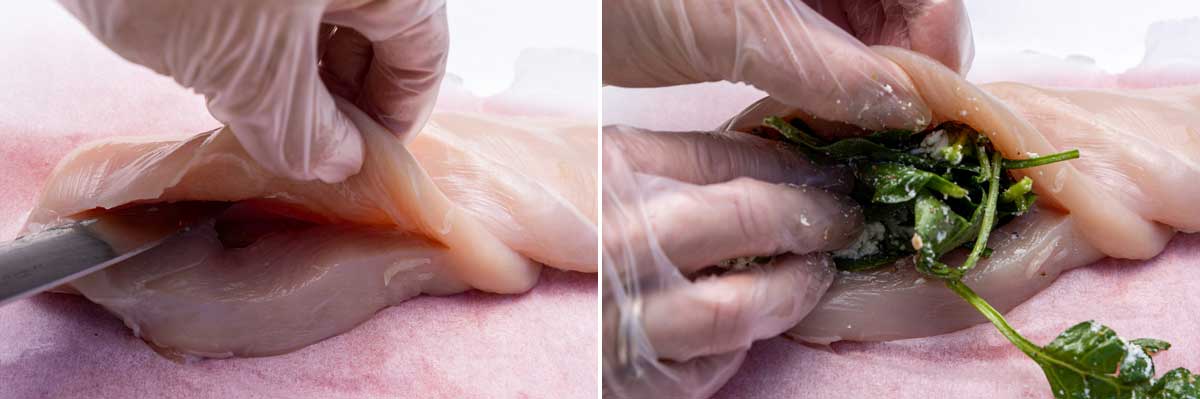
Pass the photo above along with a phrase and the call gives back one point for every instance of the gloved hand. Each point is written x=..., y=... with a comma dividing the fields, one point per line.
x=267, y=67
x=676, y=204
x=789, y=49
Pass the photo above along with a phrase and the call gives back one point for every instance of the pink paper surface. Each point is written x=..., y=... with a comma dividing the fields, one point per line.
x=538, y=345
x=60, y=88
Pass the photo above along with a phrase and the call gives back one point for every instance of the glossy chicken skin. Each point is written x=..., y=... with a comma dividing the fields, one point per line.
x=311, y=260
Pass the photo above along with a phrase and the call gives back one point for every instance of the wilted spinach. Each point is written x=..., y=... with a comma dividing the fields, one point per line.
x=1090, y=361
x=946, y=188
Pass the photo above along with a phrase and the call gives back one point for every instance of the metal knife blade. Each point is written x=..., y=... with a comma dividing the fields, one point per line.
x=37, y=262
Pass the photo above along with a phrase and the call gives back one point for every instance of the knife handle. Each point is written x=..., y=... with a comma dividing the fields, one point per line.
x=39, y=261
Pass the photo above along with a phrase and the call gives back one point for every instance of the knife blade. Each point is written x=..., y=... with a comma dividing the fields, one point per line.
x=39, y=261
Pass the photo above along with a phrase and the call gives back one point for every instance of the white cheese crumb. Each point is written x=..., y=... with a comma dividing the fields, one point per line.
x=866, y=244
x=933, y=143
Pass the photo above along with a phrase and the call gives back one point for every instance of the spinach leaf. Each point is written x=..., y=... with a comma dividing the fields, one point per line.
x=793, y=133
x=893, y=138
x=919, y=189
x=937, y=223
x=1178, y=383
x=937, y=230
x=1152, y=345
x=869, y=262
x=851, y=148
x=896, y=183
x=1085, y=358
x=892, y=245
x=938, y=226
x=1090, y=361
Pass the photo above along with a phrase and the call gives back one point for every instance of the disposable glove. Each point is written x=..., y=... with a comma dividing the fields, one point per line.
x=789, y=49
x=675, y=204
x=268, y=67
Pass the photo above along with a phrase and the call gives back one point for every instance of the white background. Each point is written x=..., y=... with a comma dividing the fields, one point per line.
x=487, y=35
x=1112, y=32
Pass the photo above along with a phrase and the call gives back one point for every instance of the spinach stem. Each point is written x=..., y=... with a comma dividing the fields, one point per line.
x=1039, y=161
x=985, y=167
x=989, y=214
x=946, y=187
x=1017, y=191
x=1030, y=349
x=791, y=131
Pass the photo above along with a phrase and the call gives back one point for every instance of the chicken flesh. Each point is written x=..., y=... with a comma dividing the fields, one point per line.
x=1137, y=298
x=1124, y=197
x=291, y=263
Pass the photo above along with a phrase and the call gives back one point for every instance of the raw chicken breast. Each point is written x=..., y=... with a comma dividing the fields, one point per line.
x=1139, y=150
x=530, y=181
x=291, y=263
x=1150, y=298
x=1125, y=197
x=897, y=303
x=65, y=346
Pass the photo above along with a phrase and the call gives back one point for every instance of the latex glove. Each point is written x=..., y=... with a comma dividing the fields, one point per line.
x=789, y=49
x=676, y=204
x=267, y=68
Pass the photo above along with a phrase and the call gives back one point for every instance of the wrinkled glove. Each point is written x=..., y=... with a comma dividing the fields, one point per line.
x=789, y=49
x=268, y=67
x=675, y=204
